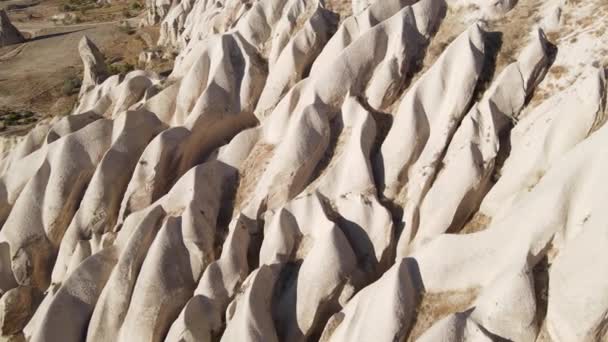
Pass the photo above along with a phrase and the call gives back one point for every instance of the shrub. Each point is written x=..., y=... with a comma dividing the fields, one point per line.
x=77, y=5
x=125, y=27
x=11, y=117
x=71, y=85
x=127, y=13
x=121, y=68
x=67, y=8
x=136, y=6
x=26, y=114
x=19, y=117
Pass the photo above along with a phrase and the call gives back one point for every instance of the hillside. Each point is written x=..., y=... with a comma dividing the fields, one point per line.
x=389, y=170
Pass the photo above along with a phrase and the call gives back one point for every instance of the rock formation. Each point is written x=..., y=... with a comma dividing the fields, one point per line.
x=360, y=5
x=8, y=33
x=95, y=69
x=410, y=172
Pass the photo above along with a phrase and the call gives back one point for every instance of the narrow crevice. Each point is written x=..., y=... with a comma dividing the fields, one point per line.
x=493, y=42
x=540, y=272
x=336, y=126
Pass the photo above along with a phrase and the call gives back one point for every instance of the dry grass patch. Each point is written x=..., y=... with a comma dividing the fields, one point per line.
x=558, y=71
x=478, y=223
x=539, y=96
x=448, y=30
x=435, y=306
x=342, y=7
x=515, y=27
x=251, y=171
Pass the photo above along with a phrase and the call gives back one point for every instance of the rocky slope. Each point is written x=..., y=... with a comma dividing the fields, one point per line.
x=422, y=170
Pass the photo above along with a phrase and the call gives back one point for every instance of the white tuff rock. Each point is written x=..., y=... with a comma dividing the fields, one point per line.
x=399, y=174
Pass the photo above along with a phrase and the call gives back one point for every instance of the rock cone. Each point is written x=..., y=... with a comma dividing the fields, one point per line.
x=8, y=33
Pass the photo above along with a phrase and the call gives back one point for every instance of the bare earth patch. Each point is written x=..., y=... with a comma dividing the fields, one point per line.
x=43, y=74
x=435, y=306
